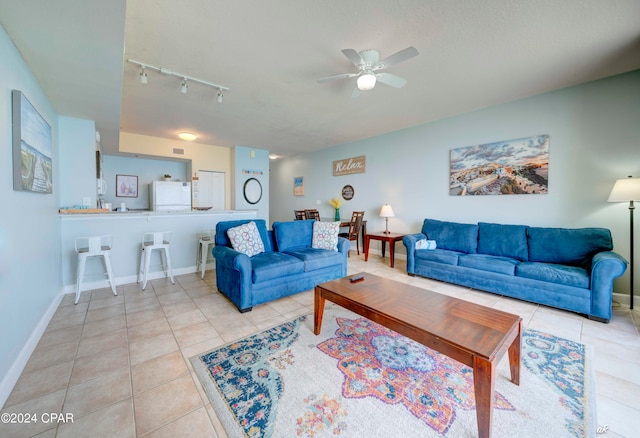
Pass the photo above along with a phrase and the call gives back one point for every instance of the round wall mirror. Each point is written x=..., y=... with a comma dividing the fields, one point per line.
x=252, y=191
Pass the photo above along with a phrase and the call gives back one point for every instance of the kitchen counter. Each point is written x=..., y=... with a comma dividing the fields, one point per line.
x=127, y=229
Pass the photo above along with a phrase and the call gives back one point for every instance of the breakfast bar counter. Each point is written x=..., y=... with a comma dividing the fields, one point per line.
x=127, y=229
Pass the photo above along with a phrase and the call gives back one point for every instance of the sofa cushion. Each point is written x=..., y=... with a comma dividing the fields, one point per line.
x=567, y=246
x=315, y=258
x=221, y=237
x=559, y=274
x=452, y=235
x=294, y=234
x=246, y=239
x=325, y=235
x=501, y=265
x=438, y=255
x=503, y=240
x=269, y=265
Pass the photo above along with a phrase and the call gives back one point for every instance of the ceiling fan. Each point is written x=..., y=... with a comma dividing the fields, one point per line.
x=369, y=66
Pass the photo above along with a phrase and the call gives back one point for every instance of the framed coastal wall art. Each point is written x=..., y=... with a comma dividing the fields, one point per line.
x=510, y=167
x=298, y=186
x=32, y=144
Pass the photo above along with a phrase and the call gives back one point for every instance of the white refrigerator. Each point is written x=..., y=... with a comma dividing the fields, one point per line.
x=170, y=196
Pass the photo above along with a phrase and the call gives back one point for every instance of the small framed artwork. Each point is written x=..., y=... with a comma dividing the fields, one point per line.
x=298, y=186
x=126, y=186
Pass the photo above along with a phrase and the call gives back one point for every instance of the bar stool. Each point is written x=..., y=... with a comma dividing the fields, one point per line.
x=150, y=241
x=206, y=239
x=98, y=246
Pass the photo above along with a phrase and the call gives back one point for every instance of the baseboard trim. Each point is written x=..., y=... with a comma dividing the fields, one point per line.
x=11, y=378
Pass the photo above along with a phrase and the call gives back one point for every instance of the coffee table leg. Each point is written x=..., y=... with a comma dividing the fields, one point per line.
x=318, y=311
x=484, y=382
x=515, y=350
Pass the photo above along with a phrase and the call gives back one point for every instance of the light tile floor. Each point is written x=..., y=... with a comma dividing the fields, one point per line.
x=120, y=364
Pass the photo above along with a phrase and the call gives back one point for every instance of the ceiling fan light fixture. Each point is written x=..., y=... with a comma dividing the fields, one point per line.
x=366, y=81
x=187, y=136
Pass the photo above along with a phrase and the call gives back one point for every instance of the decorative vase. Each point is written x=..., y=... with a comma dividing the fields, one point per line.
x=337, y=218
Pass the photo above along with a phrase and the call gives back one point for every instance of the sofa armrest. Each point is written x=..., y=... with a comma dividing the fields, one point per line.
x=233, y=275
x=605, y=267
x=409, y=241
x=344, y=245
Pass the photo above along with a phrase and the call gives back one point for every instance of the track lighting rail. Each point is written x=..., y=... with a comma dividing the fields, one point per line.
x=184, y=77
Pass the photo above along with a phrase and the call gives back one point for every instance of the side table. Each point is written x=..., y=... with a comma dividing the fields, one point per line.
x=392, y=238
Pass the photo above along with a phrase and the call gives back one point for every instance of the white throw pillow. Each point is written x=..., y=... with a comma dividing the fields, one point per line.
x=325, y=235
x=246, y=239
x=426, y=244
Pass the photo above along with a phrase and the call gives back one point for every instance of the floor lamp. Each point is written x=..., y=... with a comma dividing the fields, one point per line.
x=627, y=190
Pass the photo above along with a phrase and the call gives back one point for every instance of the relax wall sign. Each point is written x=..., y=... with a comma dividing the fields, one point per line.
x=350, y=165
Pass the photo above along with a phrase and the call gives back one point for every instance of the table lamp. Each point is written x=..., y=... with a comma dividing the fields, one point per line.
x=386, y=212
x=627, y=190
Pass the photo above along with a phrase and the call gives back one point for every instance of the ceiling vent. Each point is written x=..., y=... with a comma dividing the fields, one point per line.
x=178, y=151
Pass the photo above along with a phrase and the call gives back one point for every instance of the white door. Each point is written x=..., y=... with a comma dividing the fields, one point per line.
x=211, y=189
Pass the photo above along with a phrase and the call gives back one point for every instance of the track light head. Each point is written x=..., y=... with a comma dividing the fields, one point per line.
x=143, y=76
x=184, y=86
x=220, y=96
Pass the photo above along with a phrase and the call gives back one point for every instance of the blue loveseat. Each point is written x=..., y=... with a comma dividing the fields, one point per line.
x=287, y=266
x=571, y=269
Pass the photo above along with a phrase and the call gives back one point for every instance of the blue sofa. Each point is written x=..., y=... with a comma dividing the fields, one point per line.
x=571, y=269
x=287, y=266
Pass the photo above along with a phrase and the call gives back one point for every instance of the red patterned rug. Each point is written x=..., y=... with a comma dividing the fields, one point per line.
x=359, y=379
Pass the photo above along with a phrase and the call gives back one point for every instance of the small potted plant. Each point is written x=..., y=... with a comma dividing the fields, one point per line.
x=167, y=177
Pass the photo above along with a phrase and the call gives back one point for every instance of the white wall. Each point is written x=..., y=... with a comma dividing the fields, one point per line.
x=250, y=163
x=29, y=228
x=594, y=139
x=77, y=161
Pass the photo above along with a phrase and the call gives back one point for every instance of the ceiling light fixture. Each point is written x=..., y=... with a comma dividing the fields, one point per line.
x=187, y=136
x=183, y=86
x=366, y=81
x=143, y=76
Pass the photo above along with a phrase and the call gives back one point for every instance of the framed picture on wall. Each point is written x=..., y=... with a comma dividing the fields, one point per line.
x=298, y=186
x=126, y=186
x=32, y=143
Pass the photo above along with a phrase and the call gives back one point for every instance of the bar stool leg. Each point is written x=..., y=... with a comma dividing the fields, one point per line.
x=107, y=262
x=204, y=247
x=167, y=260
x=82, y=260
x=145, y=272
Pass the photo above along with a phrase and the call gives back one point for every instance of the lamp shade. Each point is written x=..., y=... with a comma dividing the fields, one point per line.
x=625, y=190
x=386, y=211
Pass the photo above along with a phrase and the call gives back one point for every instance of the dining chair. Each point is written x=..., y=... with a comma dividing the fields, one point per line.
x=312, y=214
x=300, y=215
x=354, y=228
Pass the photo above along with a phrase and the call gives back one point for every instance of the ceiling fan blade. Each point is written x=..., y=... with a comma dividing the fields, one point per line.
x=335, y=77
x=397, y=58
x=356, y=92
x=354, y=57
x=391, y=80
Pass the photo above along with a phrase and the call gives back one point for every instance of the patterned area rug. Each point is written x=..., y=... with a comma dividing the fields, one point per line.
x=359, y=379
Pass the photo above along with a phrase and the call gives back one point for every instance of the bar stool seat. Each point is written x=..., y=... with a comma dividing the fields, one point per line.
x=161, y=241
x=97, y=246
x=206, y=239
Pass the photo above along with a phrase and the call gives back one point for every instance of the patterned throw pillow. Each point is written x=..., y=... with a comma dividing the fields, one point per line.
x=325, y=235
x=246, y=239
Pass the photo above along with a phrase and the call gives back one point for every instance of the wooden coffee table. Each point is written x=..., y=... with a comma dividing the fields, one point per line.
x=474, y=335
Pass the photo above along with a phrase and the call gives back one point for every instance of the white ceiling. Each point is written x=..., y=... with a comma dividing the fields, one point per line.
x=473, y=54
